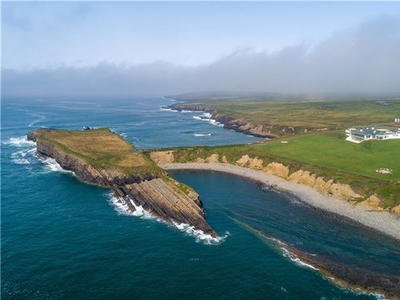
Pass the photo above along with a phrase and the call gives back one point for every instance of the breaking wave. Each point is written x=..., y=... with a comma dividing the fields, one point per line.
x=296, y=260
x=202, y=134
x=121, y=207
x=20, y=142
x=206, y=117
x=52, y=165
x=199, y=235
x=21, y=157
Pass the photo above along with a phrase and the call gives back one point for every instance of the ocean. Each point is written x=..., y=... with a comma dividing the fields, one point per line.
x=63, y=239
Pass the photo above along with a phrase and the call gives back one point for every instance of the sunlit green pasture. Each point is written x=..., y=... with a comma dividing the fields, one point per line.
x=321, y=150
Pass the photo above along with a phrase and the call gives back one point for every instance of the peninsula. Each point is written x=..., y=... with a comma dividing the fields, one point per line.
x=103, y=158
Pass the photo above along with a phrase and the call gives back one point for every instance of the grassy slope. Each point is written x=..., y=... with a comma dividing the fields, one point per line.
x=102, y=149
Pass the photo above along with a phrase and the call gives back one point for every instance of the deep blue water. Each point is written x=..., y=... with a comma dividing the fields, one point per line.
x=62, y=239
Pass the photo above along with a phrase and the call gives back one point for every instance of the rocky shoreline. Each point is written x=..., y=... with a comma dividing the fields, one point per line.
x=239, y=125
x=383, y=221
x=155, y=192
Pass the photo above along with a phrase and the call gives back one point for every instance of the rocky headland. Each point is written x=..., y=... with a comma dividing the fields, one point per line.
x=239, y=125
x=102, y=158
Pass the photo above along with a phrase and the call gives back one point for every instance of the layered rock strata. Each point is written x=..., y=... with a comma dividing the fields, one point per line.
x=162, y=196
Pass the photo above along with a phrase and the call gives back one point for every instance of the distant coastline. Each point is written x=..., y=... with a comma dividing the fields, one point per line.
x=382, y=221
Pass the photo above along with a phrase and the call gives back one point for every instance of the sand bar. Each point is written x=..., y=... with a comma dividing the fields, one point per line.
x=382, y=221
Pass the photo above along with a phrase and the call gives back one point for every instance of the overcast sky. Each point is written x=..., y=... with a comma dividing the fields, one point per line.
x=156, y=48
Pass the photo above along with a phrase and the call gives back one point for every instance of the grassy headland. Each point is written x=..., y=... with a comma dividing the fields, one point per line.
x=102, y=149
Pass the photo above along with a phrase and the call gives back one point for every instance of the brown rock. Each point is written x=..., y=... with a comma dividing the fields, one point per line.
x=213, y=158
x=372, y=203
x=277, y=169
x=162, y=157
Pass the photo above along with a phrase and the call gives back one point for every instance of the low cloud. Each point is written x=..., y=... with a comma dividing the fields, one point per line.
x=365, y=59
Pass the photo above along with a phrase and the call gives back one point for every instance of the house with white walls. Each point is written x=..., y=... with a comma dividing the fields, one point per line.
x=363, y=134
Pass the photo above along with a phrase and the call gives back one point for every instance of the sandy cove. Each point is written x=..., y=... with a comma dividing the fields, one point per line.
x=382, y=221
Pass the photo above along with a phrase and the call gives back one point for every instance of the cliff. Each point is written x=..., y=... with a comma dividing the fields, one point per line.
x=322, y=185
x=102, y=158
x=239, y=125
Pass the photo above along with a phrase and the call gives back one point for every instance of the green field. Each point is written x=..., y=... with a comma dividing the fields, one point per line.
x=321, y=150
x=325, y=155
x=309, y=115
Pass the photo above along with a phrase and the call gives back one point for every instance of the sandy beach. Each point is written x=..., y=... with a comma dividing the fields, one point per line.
x=382, y=221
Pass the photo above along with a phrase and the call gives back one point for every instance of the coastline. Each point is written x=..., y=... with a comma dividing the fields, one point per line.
x=382, y=221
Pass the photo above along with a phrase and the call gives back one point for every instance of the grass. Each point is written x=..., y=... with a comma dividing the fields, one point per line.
x=324, y=155
x=308, y=115
x=314, y=129
x=321, y=150
x=102, y=149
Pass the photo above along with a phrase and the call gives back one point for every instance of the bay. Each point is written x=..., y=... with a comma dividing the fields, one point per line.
x=62, y=239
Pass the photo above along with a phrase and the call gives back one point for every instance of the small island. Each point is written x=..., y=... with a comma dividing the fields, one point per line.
x=103, y=158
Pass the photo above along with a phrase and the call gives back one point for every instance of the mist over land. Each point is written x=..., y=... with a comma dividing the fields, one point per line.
x=362, y=60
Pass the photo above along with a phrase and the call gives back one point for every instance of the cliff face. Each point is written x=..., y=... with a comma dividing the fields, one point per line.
x=323, y=186
x=88, y=173
x=162, y=196
x=240, y=125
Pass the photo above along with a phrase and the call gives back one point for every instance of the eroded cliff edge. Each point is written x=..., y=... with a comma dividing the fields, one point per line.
x=102, y=158
x=322, y=185
x=237, y=124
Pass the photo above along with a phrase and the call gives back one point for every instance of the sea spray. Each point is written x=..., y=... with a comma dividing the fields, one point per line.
x=286, y=253
x=121, y=207
x=199, y=235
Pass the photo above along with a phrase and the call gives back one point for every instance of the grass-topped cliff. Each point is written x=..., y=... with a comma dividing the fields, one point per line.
x=103, y=158
x=102, y=148
x=321, y=155
x=293, y=117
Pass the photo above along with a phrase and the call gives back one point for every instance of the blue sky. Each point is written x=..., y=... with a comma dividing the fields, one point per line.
x=47, y=34
x=197, y=37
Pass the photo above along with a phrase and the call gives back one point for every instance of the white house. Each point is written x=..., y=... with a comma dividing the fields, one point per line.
x=364, y=134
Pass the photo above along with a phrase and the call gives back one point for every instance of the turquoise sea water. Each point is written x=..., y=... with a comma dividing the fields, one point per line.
x=62, y=239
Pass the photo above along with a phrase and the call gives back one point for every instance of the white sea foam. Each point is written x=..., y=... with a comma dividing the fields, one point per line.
x=168, y=109
x=122, y=208
x=199, y=235
x=40, y=118
x=202, y=134
x=21, y=161
x=20, y=157
x=52, y=165
x=20, y=142
x=296, y=260
x=206, y=117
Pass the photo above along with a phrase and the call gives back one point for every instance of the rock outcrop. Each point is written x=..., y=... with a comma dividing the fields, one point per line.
x=239, y=125
x=154, y=191
x=323, y=186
